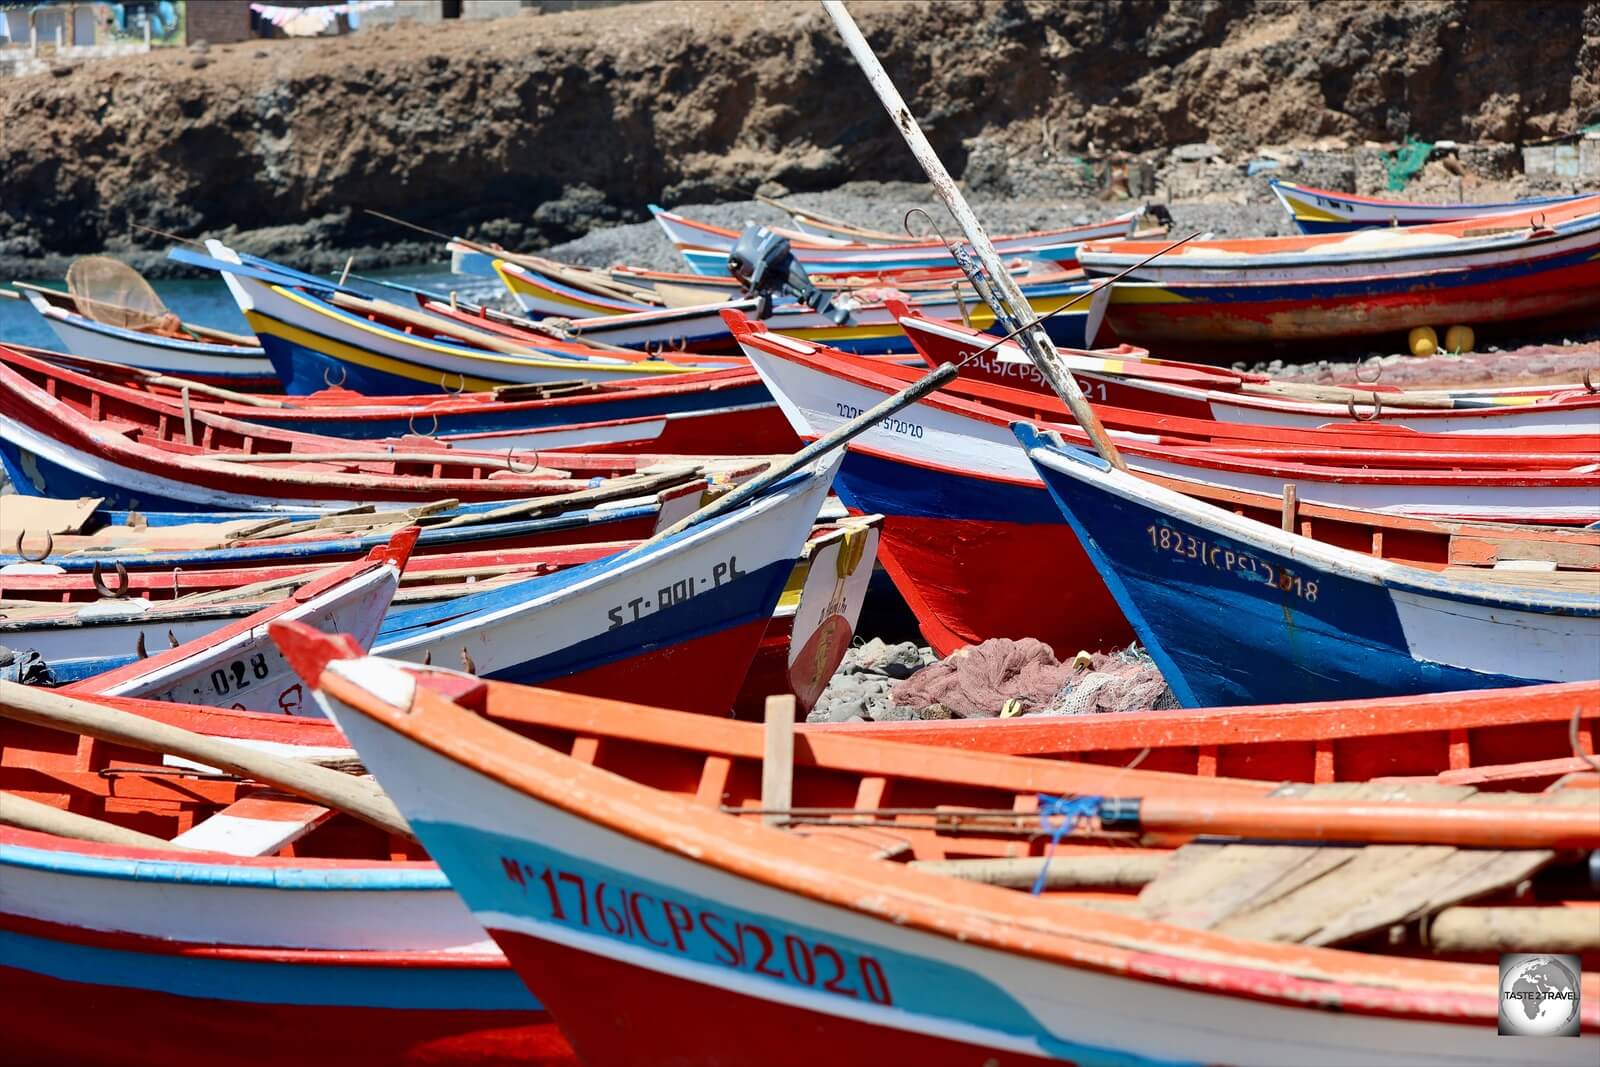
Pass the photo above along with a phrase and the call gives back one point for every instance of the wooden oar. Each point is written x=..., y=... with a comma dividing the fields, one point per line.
x=354, y=796
x=28, y=814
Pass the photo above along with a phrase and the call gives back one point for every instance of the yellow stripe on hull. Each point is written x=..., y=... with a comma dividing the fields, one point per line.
x=431, y=376
x=639, y=369
x=1143, y=294
x=515, y=285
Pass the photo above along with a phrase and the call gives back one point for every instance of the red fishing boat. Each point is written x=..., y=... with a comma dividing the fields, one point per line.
x=730, y=910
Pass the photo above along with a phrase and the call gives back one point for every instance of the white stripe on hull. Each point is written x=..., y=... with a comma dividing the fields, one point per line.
x=181, y=910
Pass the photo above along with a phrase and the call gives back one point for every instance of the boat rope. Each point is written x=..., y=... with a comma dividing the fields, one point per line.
x=1058, y=817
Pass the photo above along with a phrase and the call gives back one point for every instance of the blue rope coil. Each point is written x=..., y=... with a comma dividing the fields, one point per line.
x=1058, y=817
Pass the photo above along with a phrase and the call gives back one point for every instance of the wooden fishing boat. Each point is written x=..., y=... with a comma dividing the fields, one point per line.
x=318, y=335
x=235, y=664
x=175, y=545
x=1491, y=739
x=244, y=925
x=206, y=355
x=712, y=413
x=1306, y=620
x=871, y=328
x=545, y=287
x=964, y=518
x=676, y=620
x=1535, y=264
x=619, y=867
x=81, y=441
x=705, y=247
x=801, y=645
x=1325, y=211
x=1126, y=377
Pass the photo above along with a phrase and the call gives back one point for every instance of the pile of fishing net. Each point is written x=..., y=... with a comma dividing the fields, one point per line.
x=1002, y=677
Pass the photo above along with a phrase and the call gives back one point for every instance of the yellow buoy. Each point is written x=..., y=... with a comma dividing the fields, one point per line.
x=1459, y=339
x=1423, y=341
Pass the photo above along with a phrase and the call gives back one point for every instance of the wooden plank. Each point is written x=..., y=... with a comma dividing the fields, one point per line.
x=1223, y=887
x=1361, y=885
x=1567, y=581
x=36, y=516
x=255, y=826
x=1574, y=554
x=777, y=758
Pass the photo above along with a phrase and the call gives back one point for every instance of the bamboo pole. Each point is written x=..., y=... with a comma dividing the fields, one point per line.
x=354, y=796
x=1514, y=929
x=26, y=814
x=1008, y=302
x=1125, y=870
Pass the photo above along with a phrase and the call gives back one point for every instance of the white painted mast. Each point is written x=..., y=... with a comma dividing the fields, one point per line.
x=1034, y=341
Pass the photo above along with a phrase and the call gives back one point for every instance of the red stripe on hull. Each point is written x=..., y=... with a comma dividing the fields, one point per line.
x=754, y=431
x=704, y=674
x=964, y=580
x=49, y=1021
x=617, y=1014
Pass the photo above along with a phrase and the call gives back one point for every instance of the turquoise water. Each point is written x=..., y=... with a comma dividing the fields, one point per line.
x=206, y=300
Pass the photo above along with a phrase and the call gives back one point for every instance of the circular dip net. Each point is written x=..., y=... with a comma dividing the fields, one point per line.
x=111, y=292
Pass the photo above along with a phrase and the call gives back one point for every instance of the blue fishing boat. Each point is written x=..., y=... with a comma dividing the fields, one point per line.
x=1237, y=612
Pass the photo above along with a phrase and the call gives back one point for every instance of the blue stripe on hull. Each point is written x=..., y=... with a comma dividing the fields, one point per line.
x=262, y=982
x=1223, y=630
x=33, y=475
x=666, y=927
x=748, y=598
x=1444, y=277
x=889, y=487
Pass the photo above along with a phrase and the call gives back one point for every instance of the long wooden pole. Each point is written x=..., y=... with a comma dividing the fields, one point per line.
x=26, y=814
x=1014, y=305
x=329, y=788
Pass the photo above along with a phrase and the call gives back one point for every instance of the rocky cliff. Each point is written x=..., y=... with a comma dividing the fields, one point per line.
x=531, y=129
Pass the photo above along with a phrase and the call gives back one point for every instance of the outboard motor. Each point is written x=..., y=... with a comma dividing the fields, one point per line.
x=764, y=265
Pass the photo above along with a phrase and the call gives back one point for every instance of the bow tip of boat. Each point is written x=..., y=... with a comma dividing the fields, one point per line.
x=309, y=650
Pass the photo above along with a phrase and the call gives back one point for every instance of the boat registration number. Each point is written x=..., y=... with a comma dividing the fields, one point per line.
x=702, y=933
x=675, y=593
x=889, y=423
x=1164, y=539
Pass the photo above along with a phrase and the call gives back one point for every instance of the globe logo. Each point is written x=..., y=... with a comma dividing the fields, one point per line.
x=1539, y=995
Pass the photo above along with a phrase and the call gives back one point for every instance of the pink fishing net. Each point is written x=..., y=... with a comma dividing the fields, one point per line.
x=1018, y=677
